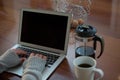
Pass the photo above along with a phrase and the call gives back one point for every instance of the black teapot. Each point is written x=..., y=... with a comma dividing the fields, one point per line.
x=86, y=41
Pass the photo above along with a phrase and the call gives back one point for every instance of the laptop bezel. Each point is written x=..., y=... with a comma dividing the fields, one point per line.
x=43, y=47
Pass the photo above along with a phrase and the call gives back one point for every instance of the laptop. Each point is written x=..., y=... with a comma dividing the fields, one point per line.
x=45, y=32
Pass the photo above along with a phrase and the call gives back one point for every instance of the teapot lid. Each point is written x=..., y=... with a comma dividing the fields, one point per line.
x=85, y=30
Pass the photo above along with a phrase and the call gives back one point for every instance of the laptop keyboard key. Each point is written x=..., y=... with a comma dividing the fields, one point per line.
x=50, y=57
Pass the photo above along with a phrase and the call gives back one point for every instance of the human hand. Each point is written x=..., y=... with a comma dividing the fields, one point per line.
x=35, y=62
x=34, y=65
x=22, y=54
x=38, y=55
x=10, y=58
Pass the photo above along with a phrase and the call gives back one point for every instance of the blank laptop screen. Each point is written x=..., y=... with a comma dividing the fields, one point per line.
x=44, y=29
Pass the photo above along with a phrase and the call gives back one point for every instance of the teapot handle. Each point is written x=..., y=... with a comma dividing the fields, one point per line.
x=101, y=40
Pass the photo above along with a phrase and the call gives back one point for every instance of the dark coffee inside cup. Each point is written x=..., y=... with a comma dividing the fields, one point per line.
x=85, y=65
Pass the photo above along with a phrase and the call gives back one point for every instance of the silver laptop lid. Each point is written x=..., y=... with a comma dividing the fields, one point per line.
x=46, y=30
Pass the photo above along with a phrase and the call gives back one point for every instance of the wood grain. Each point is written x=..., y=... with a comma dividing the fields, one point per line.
x=100, y=17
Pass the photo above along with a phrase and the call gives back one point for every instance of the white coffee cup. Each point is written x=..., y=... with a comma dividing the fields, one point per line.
x=85, y=68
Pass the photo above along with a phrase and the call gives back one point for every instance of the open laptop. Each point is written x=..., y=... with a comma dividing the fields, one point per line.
x=45, y=32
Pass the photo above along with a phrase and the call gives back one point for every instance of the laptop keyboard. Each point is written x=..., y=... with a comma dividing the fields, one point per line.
x=51, y=58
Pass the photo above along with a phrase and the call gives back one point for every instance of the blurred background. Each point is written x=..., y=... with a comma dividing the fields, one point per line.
x=103, y=14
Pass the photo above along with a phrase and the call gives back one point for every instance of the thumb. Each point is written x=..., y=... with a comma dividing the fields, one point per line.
x=22, y=60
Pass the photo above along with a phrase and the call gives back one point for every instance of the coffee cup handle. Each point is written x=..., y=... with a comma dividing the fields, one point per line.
x=101, y=73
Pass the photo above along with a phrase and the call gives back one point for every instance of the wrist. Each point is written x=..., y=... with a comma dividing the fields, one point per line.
x=9, y=59
x=35, y=63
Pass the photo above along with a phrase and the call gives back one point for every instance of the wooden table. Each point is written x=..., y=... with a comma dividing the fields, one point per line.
x=104, y=16
x=108, y=62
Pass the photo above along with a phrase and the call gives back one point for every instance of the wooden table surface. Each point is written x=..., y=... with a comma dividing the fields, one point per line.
x=102, y=18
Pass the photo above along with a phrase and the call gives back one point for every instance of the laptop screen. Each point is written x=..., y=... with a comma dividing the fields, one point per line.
x=45, y=29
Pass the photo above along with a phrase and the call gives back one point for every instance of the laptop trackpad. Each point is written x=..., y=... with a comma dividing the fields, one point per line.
x=16, y=70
